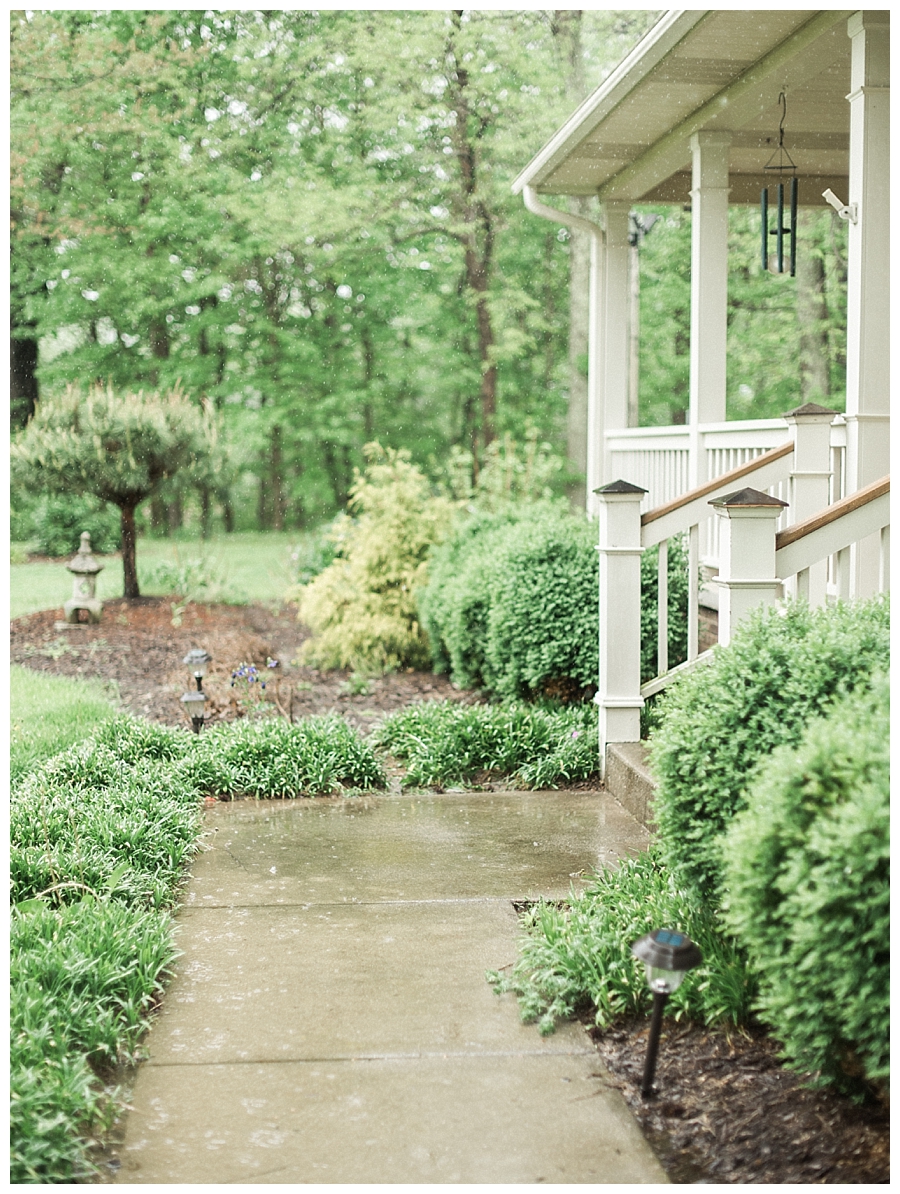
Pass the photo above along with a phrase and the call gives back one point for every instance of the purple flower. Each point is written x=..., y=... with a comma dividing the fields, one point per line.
x=575, y=733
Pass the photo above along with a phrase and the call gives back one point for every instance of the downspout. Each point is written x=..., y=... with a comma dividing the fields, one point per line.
x=595, y=441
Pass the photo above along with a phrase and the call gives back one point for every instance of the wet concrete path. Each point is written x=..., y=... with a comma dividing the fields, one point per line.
x=330, y=1020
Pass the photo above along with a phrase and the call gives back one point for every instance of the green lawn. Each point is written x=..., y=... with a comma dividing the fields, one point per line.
x=239, y=568
x=49, y=713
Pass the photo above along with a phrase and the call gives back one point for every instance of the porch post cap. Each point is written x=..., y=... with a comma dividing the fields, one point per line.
x=619, y=487
x=809, y=409
x=748, y=498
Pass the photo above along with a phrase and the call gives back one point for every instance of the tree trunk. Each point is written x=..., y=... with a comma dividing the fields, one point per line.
x=129, y=546
x=205, y=512
x=812, y=317
x=227, y=511
x=23, y=387
x=159, y=518
x=277, y=479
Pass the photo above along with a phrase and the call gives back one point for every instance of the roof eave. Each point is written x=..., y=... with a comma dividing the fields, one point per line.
x=654, y=46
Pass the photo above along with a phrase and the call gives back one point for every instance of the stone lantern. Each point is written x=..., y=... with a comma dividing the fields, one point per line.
x=84, y=591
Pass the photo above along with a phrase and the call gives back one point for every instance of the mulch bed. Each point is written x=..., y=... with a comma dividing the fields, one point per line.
x=726, y=1111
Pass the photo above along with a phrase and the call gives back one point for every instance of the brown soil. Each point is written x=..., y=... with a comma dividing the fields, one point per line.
x=726, y=1111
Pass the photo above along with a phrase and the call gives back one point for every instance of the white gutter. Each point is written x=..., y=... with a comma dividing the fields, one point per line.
x=649, y=51
x=569, y=219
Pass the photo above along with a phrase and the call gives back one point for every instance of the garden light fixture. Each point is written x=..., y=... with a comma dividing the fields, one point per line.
x=667, y=956
x=197, y=661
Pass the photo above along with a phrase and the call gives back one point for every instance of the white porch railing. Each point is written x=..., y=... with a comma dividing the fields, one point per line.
x=658, y=458
x=812, y=553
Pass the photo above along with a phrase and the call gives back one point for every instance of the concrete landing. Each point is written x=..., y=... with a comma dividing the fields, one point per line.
x=330, y=1021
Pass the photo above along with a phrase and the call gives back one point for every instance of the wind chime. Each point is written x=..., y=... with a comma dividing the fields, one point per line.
x=784, y=259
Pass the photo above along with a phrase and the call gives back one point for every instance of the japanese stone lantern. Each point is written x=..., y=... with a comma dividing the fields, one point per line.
x=84, y=591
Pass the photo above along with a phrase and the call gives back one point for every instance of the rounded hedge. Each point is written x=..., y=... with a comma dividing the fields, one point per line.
x=808, y=890
x=784, y=666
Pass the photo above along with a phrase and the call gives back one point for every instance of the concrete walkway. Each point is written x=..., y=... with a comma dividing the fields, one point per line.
x=330, y=1020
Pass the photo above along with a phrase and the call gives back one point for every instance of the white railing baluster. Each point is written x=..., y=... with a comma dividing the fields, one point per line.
x=662, y=609
x=693, y=635
x=884, y=562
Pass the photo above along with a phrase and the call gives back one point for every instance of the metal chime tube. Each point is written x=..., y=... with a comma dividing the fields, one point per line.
x=794, y=226
x=764, y=210
x=779, y=237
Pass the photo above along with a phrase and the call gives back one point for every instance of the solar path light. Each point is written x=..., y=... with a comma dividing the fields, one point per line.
x=197, y=661
x=667, y=956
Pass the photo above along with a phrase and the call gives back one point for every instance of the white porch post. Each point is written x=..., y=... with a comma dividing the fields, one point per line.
x=619, y=688
x=608, y=355
x=810, y=428
x=595, y=437
x=746, y=555
x=709, y=288
x=868, y=274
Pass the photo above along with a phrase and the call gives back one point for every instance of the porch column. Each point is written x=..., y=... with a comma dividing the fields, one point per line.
x=619, y=681
x=709, y=288
x=810, y=428
x=868, y=274
x=611, y=403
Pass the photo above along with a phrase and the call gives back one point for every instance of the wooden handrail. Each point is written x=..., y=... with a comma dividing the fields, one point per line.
x=735, y=474
x=846, y=505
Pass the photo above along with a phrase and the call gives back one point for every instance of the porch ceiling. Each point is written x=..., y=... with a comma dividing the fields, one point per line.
x=709, y=69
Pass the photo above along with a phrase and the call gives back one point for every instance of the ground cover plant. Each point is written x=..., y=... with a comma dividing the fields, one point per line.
x=50, y=713
x=578, y=955
x=784, y=666
x=807, y=885
x=443, y=742
x=101, y=833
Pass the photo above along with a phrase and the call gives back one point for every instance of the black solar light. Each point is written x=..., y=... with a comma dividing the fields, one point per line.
x=197, y=660
x=667, y=956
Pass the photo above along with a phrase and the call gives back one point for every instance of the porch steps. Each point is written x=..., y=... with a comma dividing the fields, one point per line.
x=630, y=781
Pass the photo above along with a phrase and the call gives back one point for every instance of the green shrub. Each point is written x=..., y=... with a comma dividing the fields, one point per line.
x=783, y=667
x=808, y=890
x=362, y=607
x=513, y=603
x=579, y=954
x=443, y=742
x=52, y=524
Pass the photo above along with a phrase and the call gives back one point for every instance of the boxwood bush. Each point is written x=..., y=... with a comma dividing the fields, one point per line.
x=783, y=667
x=808, y=890
x=512, y=604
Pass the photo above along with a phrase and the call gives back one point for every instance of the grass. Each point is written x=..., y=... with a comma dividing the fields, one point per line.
x=241, y=568
x=579, y=954
x=50, y=713
x=444, y=742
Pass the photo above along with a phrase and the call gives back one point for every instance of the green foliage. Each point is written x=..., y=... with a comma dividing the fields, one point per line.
x=443, y=742
x=513, y=602
x=316, y=757
x=49, y=713
x=194, y=578
x=808, y=890
x=116, y=445
x=362, y=607
x=52, y=525
x=579, y=954
x=83, y=980
x=782, y=668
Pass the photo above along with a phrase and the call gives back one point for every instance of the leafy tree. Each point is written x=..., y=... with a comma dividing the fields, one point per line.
x=118, y=446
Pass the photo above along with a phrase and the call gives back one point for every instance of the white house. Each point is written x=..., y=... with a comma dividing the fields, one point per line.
x=687, y=117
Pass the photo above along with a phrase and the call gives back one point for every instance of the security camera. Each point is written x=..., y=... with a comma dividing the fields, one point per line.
x=847, y=211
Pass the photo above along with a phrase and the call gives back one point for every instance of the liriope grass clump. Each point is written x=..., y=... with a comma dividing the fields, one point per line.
x=316, y=757
x=444, y=742
x=578, y=955
x=101, y=834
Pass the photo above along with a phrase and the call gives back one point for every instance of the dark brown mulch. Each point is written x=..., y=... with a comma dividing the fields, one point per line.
x=726, y=1112
x=136, y=646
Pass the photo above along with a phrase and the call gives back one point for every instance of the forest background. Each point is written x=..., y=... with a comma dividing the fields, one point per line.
x=305, y=217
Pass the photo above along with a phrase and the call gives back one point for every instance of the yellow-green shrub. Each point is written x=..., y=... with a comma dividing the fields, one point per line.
x=362, y=607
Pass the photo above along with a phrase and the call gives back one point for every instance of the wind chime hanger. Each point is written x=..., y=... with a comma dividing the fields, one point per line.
x=775, y=263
